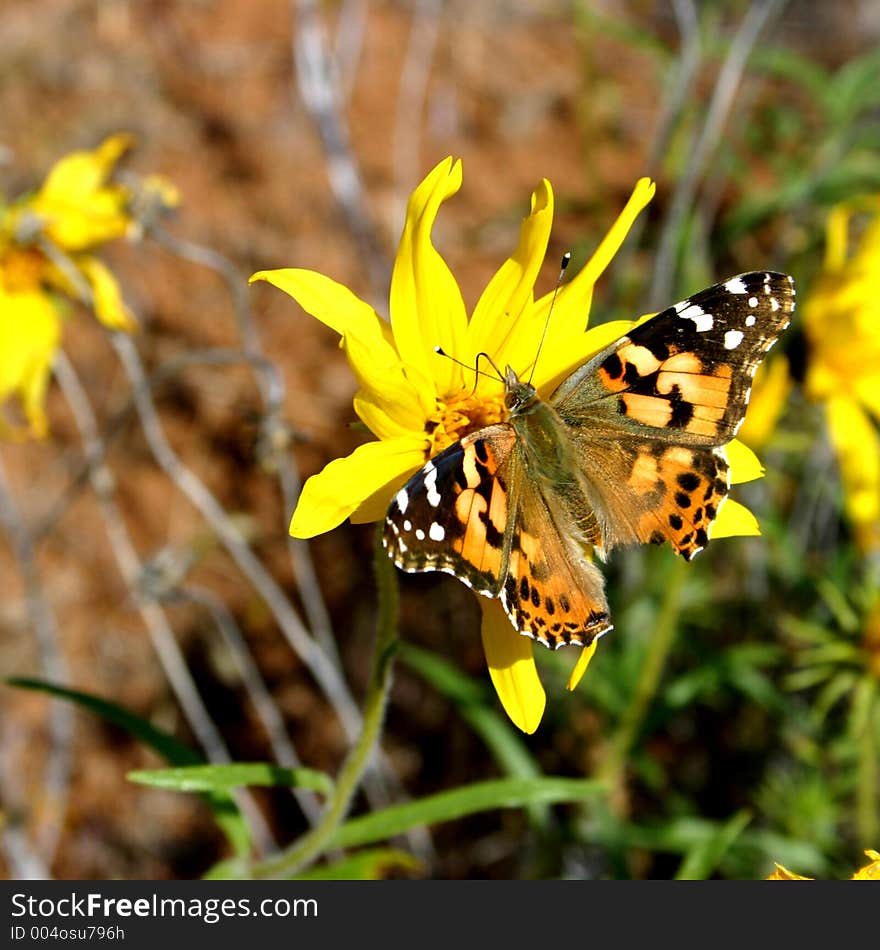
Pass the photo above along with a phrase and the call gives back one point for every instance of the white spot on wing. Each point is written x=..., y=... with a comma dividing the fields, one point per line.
x=732, y=339
x=774, y=304
x=702, y=321
x=436, y=532
x=433, y=495
x=402, y=500
x=407, y=525
x=735, y=286
x=753, y=301
x=420, y=534
x=750, y=320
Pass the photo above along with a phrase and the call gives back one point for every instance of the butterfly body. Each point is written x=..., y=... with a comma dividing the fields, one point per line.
x=629, y=448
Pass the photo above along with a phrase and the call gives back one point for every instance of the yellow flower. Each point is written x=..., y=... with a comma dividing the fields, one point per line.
x=870, y=872
x=417, y=403
x=45, y=240
x=842, y=323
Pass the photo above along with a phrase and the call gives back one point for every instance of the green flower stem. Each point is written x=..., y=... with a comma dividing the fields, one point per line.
x=612, y=769
x=866, y=789
x=311, y=845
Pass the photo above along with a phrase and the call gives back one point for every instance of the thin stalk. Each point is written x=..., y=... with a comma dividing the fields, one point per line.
x=866, y=788
x=314, y=843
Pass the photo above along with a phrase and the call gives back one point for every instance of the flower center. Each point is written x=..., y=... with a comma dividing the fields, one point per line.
x=21, y=270
x=459, y=415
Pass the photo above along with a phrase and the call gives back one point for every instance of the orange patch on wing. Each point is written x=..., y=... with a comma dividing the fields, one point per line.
x=498, y=508
x=630, y=354
x=649, y=410
x=469, y=466
x=473, y=546
x=700, y=390
x=689, y=503
x=639, y=356
x=644, y=474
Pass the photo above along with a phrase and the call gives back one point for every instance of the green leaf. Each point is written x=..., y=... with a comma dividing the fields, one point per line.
x=701, y=860
x=468, y=800
x=223, y=807
x=369, y=865
x=213, y=778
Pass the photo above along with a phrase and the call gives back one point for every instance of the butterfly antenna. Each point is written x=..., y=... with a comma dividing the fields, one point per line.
x=476, y=367
x=566, y=258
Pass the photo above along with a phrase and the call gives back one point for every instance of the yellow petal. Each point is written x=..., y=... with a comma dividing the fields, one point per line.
x=583, y=662
x=384, y=382
x=857, y=447
x=328, y=301
x=837, y=237
x=375, y=506
x=84, y=172
x=512, y=668
x=329, y=497
x=510, y=290
x=107, y=300
x=604, y=253
x=769, y=396
x=870, y=872
x=571, y=307
x=383, y=422
x=563, y=349
x=427, y=309
x=30, y=334
x=78, y=208
x=783, y=874
x=745, y=466
x=733, y=520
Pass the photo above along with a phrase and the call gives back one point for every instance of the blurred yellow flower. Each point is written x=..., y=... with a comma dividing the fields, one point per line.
x=45, y=244
x=770, y=393
x=417, y=403
x=870, y=872
x=842, y=322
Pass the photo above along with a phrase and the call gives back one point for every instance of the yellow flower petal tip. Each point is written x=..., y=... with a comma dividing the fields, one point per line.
x=645, y=189
x=512, y=668
x=580, y=667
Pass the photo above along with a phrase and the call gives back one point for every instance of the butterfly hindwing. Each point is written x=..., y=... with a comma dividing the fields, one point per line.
x=651, y=491
x=553, y=592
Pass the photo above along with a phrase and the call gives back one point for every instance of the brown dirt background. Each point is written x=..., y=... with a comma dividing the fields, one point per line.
x=519, y=92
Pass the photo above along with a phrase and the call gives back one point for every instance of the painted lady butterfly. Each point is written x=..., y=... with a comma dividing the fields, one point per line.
x=629, y=448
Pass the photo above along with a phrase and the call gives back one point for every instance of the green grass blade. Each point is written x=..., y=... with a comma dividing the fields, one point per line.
x=459, y=802
x=216, y=778
x=701, y=861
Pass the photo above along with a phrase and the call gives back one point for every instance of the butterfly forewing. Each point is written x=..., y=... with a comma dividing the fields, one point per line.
x=685, y=373
x=454, y=514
